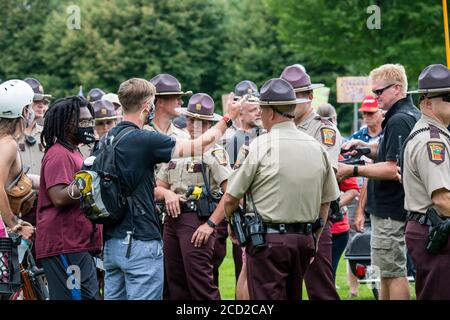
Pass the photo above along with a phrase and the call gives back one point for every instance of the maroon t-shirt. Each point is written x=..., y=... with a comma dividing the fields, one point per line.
x=62, y=230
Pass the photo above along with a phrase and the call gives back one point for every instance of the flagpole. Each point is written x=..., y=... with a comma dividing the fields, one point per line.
x=447, y=44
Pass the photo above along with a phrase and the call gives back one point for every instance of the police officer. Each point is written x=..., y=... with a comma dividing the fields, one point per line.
x=319, y=279
x=189, y=234
x=289, y=181
x=30, y=146
x=168, y=98
x=426, y=181
x=114, y=99
x=251, y=127
x=95, y=94
x=105, y=117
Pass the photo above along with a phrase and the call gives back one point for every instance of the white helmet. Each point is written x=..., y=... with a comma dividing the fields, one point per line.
x=14, y=96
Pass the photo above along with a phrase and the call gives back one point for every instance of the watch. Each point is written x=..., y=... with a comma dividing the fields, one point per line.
x=211, y=224
x=228, y=120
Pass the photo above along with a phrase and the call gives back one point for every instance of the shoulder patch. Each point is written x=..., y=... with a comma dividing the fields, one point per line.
x=328, y=136
x=219, y=155
x=436, y=152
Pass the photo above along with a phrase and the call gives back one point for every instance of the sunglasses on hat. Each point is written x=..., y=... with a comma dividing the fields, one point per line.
x=379, y=92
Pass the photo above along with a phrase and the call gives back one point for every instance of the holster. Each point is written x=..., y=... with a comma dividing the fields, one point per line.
x=439, y=232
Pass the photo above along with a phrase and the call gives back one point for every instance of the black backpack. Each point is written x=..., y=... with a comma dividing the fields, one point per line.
x=103, y=199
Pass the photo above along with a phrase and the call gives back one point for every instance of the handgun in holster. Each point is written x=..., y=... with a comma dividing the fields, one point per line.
x=335, y=213
x=439, y=232
x=238, y=224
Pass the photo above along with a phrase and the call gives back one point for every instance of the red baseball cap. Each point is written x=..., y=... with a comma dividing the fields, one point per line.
x=369, y=104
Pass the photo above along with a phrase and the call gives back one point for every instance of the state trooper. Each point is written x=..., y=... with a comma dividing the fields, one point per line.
x=319, y=278
x=191, y=189
x=95, y=94
x=426, y=181
x=30, y=146
x=168, y=97
x=289, y=181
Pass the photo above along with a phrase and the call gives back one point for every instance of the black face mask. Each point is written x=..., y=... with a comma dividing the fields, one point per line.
x=85, y=135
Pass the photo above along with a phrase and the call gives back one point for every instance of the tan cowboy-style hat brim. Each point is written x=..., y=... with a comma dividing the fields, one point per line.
x=283, y=103
x=106, y=118
x=251, y=100
x=176, y=93
x=309, y=87
x=213, y=117
x=435, y=90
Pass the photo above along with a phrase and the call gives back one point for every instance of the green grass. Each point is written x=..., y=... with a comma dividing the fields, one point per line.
x=227, y=281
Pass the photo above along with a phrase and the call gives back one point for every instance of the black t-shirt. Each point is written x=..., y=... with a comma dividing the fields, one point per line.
x=385, y=198
x=136, y=156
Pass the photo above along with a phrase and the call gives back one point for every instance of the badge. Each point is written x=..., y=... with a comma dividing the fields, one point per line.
x=328, y=136
x=436, y=152
x=190, y=167
x=172, y=165
x=220, y=156
x=198, y=107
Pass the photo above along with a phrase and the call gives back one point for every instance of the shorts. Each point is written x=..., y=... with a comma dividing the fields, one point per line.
x=388, y=247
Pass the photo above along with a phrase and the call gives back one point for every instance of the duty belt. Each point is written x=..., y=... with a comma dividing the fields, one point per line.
x=419, y=217
x=188, y=206
x=281, y=228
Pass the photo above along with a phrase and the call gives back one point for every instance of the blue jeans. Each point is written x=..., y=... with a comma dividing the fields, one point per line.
x=140, y=277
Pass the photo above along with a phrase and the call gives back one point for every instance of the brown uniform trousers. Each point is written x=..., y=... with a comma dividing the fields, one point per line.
x=319, y=279
x=220, y=249
x=432, y=279
x=188, y=268
x=282, y=262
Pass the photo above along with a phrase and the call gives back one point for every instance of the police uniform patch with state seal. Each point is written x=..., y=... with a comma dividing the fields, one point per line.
x=436, y=152
x=328, y=136
x=220, y=156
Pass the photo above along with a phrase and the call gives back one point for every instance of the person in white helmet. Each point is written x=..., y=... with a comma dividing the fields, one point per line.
x=16, y=98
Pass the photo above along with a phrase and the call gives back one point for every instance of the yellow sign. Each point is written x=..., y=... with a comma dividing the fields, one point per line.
x=352, y=89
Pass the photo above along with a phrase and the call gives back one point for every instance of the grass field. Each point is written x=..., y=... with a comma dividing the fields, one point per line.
x=227, y=285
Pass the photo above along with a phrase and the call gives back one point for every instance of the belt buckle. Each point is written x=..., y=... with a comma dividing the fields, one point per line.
x=282, y=228
x=308, y=228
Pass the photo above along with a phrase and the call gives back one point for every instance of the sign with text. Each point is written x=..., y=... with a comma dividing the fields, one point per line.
x=352, y=89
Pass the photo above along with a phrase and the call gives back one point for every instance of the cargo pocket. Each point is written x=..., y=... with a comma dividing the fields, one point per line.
x=380, y=243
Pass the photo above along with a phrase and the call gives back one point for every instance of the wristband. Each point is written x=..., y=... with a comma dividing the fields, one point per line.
x=211, y=224
x=355, y=170
x=228, y=120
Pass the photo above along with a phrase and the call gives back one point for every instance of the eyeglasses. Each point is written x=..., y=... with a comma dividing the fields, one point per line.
x=86, y=123
x=368, y=114
x=445, y=97
x=379, y=92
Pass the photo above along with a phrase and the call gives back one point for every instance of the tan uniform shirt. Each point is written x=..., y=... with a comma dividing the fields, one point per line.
x=326, y=133
x=173, y=132
x=289, y=175
x=426, y=165
x=32, y=154
x=184, y=172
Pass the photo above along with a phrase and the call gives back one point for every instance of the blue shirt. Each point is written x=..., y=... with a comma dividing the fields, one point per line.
x=363, y=134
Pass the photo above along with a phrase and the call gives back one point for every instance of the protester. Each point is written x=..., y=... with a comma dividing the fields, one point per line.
x=133, y=254
x=66, y=238
x=16, y=97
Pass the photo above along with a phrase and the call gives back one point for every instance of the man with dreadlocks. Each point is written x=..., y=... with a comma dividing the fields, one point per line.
x=66, y=237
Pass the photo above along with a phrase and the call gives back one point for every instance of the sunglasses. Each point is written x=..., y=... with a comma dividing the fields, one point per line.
x=379, y=92
x=445, y=97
